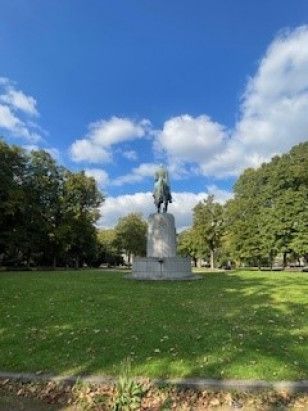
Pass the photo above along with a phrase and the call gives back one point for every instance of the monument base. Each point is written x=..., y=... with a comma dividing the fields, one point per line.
x=166, y=268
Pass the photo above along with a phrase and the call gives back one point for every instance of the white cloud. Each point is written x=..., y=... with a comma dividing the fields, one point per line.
x=130, y=155
x=13, y=104
x=138, y=174
x=273, y=116
x=116, y=130
x=7, y=118
x=4, y=81
x=181, y=207
x=101, y=176
x=103, y=134
x=86, y=150
x=19, y=101
x=191, y=139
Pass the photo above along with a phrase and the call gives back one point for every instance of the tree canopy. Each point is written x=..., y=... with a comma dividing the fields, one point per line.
x=131, y=235
x=48, y=216
x=269, y=212
x=47, y=213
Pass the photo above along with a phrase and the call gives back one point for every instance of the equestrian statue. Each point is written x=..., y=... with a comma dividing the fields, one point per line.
x=162, y=193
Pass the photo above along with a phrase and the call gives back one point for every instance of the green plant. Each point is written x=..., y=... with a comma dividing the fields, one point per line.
x=129, y=391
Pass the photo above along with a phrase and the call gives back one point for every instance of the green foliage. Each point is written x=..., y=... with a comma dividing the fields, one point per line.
x=208, y=225
x=131, y=235
x=12, y=169
x=189, y=244
x=129, y=391
x=108, y=249
x=47, y=213
x=269, y=212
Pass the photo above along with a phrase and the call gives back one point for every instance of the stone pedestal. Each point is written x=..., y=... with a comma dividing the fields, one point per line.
x=168, y=268
x=161, y=239
x=161, y=262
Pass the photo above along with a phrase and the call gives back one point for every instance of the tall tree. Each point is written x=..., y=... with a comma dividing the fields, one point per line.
x=208, y=225
x=189, y=244
x=81, y=199
x=109, y=250
x=12, y=169
x=268, y=214
x=43, y=182
x=47, y=213
x=131, y=235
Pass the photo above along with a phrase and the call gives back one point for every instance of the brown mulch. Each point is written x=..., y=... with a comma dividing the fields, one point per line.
x=101, y=397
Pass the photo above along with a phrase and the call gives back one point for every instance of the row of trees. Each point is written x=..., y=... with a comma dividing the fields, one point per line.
x=48, y=216
x=47, y=213
x=267, y=217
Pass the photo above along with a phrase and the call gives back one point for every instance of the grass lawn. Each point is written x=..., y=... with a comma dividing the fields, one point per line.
x=233, y=325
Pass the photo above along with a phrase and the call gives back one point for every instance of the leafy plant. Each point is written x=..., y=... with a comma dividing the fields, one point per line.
x=129, y=391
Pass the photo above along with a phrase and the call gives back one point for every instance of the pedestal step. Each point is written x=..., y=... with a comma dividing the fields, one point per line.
x=167, y=268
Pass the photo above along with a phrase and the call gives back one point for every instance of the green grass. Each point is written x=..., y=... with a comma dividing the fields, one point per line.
x=228, y=325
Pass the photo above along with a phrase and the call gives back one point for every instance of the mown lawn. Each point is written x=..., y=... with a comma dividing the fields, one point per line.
x=233, y=325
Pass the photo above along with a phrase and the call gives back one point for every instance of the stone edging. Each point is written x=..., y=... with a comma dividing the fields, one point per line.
x=193, y=383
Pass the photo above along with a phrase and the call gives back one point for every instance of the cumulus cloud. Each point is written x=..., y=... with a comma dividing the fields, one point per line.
x=87, y=150
x=18, y=100
x=103, y=134
x=16, y=110
x=181, y=208
x=191, y=139
x=273, y=116
x=138, y=174
x=7, y=118
x=130, y=155
x=101, y=176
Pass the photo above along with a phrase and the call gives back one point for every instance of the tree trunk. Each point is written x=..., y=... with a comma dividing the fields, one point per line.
x=54, y=263
x=28, y=258
x=284, y=260
x=212, y=259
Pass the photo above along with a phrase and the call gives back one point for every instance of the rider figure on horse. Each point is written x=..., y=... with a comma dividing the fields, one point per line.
x=162, y=193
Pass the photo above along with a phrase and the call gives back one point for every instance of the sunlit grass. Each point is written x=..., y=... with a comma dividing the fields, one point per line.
x=228, y=325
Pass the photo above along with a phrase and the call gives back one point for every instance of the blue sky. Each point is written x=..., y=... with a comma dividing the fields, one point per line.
x=115, y=87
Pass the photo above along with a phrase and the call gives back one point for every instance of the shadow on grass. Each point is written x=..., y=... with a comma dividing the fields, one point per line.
x=239, y=325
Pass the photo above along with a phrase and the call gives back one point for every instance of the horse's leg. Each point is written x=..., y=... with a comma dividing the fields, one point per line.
x=165, y=206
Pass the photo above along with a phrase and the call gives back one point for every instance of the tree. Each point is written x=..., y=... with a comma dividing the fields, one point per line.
x=242, y=219
x=268, y=214
x=47, y=213
x=208, y=224
x=43, y=183
x=131, y=235
x=188, y=244
x=108, y=249
x=81, y=199
x=12, y=168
